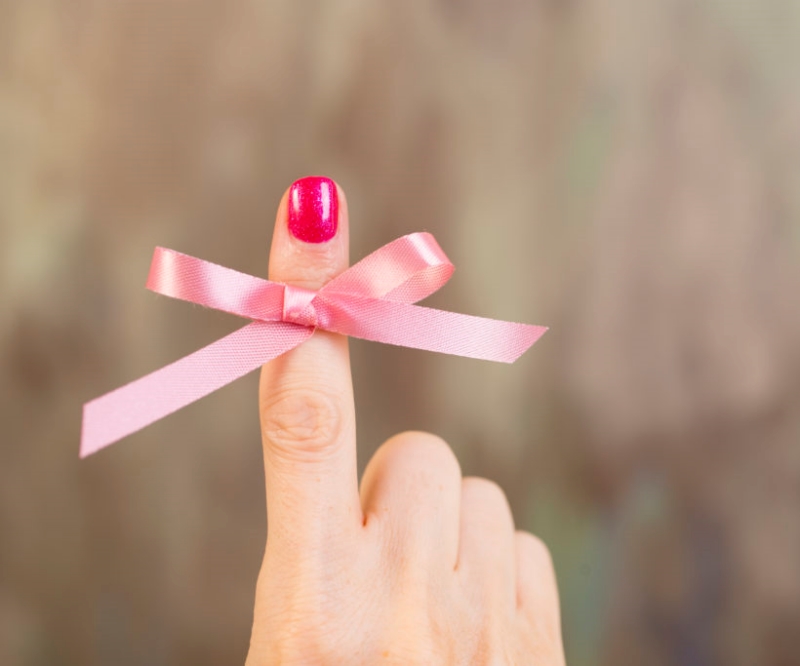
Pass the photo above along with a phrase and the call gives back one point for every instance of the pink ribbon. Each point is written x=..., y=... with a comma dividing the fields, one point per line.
x=372, y=300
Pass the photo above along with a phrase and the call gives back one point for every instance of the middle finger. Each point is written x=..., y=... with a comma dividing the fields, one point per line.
x=411, y=493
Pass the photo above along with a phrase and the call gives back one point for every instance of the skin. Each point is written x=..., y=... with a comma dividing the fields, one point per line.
x=417, y=565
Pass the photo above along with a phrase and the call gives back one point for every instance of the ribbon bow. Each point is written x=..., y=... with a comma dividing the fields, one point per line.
x=373, y=300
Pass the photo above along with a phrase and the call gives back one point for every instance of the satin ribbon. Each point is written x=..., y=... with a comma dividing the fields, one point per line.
x=373, y=300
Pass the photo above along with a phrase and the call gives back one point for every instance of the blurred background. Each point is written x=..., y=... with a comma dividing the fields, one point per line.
x=627, y=173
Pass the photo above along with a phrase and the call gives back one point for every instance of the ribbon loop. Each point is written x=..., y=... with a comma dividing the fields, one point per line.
x=406, y=270
x=298, y=306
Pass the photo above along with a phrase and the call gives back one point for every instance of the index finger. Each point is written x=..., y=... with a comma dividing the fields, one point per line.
x=306, y=395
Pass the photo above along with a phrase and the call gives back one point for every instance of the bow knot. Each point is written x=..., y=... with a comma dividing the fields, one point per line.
x=298, y=306
x=373, y=300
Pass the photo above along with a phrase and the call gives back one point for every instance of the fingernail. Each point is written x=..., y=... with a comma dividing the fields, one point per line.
x=313, y=209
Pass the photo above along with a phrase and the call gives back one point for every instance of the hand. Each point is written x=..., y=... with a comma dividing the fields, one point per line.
x=420, y=566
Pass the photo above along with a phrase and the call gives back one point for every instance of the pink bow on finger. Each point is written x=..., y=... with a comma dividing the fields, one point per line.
x=374, y=300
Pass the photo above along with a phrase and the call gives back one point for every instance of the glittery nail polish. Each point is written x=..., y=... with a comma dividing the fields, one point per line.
x=313, y=209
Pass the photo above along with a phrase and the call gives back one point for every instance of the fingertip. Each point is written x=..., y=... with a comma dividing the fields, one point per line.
x=310, y=242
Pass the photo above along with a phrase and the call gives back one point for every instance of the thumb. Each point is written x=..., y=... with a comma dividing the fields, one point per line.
x=306, y=395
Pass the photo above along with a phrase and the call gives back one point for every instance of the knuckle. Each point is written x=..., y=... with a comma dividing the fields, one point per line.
x=485, y=492
x=482, y=486
x=298, y=421
x=424, y=449
x=534, y=550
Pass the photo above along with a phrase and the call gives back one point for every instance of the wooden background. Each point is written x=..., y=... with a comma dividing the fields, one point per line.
x=627, y=173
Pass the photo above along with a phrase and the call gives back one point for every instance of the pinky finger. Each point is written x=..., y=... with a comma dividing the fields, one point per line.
x=537, y=591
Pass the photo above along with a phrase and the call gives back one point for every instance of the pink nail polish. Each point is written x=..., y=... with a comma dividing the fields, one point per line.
x=313, y=209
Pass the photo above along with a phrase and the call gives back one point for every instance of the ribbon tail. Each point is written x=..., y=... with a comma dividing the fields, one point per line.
x=441, y=331
x=130, y=408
